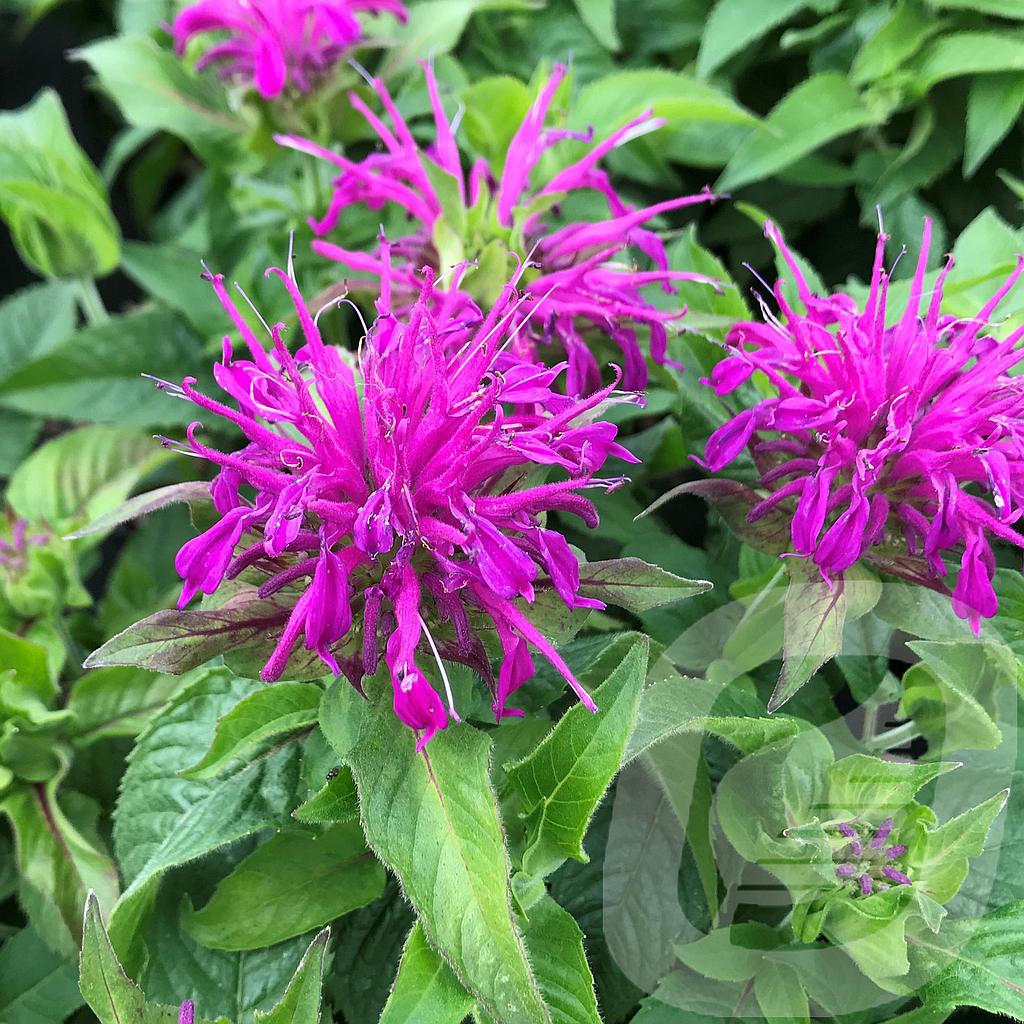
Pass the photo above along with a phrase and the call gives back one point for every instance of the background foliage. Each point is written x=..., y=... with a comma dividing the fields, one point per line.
x=119, y=170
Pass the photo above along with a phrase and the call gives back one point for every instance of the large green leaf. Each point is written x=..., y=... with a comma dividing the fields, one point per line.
x=154, y=90
x=97, y=374
x=433, y=818
x=815, y=112
x=562, y=781
x=269, y=712
x=293, y=882
x=82, y=474
x=33, y=322
x=52, y=197
x=735, y=24
x=425, y=989
x=993, y=106
x=163, y=820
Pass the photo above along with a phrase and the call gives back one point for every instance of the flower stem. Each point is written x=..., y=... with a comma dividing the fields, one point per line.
x=899, y=736
x=90, y=301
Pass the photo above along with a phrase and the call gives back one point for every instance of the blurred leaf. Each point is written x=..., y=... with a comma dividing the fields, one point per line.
x=154, y=90
x=966, y=53
x=735, y=24
x=37, y=986
x=33, y=322
x=993, y=106
x=96, y=375
x=293, y=882
x=118, y=702
x=907, y=29
x=52, y=197
x=1000, y=8
x=599, y=17
x=425, y=990
x=818, y=110
x=190, y=491
x=82, y=474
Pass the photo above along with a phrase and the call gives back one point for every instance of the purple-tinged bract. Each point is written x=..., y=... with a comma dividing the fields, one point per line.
x=400, y=495
x=579, y=282
x=896, y=437
x=271, y=43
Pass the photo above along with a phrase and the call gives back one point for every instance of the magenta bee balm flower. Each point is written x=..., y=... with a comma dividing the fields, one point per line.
x=270, y=43
x=579, y=281
x=401, y=494
x=890, y=437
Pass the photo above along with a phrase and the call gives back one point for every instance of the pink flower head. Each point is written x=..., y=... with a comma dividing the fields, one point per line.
x=272, y=42
x=892, y=439
x=578, y=281
x=402, y=490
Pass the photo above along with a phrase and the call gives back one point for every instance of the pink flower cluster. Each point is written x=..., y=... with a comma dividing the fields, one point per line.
x=269, y=43
x=582, y=286
x=401, y=494
x=905, y=434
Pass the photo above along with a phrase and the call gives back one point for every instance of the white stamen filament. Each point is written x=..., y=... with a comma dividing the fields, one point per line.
x=440, y=665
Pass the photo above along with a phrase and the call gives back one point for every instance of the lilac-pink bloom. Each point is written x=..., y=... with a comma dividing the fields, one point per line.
x=897, y=876
x=186, y=1012
x=271, y=43
x=394, y=496
x=577, y=284
x=907, y=434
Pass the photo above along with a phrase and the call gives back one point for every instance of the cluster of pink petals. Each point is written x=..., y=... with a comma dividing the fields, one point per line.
x=904, y=434
x=405, y=496
x=579, y=283
x=272, y=42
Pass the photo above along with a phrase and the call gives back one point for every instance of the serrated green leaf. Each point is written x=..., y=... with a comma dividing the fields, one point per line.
x=117, y=702
x=425, y=989
x=192, y=492
x=301, y=1001
x=453, y=864
x=269, y=712
x=563, y=780
x=292, y=883
x=636, y=585
x=815, y=112
x=163, y=820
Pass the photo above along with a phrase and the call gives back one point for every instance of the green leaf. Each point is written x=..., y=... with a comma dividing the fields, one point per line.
x=153, y=89
x=495, y=107
x=335, y=802
x=735, y=24
x=619, y=97
x=815, y=112
x=966, y=53
x=37, y=986
x=780, y=995
x=976, y=962
x=110, y=993
x=433, y=818
x=82, y=474
x=269, y=712
x=117, y=702
x=993, y=106
x=814, y=619
x=636, y=585
x=58, y=865
x=425, y=989
x=563, y=780
x=163, y=820
x=52, y=197
x=859, y=784
x=97, y=374
x=33, y=322
x=907, y=29
x=599, y=17
x=293, y=882
x=555, y=945
x=301, y=1001
x=1000, y=8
